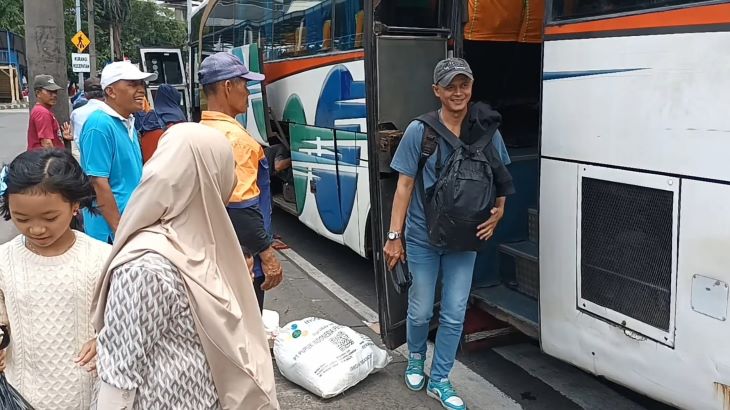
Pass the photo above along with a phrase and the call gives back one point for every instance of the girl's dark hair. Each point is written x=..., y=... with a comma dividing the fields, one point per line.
x=48, y=171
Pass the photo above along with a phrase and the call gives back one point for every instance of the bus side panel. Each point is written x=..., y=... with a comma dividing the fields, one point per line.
x=690, y=375
x=321, y=104
x=651, y=102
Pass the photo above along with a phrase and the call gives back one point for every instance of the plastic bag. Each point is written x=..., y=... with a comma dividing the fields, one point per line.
x=401, y=277
x=10, y=399
x=326, y=358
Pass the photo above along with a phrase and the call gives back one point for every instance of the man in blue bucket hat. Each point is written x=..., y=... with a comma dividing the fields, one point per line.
x=225, y=83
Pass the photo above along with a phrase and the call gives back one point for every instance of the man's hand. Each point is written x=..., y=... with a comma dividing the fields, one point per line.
x=2, y=360
x=394, y=253
x=273, y=271
x=486, y=230
x=68, y=133
x=107, y=204
x=87, y=356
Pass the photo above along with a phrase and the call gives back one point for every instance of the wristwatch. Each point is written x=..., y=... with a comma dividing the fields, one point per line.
x=393, y=235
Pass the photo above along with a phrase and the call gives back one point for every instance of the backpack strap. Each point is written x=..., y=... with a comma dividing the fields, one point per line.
x=432, y=120
x=429, y=145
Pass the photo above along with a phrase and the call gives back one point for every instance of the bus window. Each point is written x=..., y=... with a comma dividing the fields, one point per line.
x=304, y=29
x=195, y=26
x=573, y=9
x=408, y=13
x=252, y=17
x=167, y=67
x=349, y=24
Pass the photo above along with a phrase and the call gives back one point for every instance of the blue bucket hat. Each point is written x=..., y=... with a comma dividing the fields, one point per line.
x=224, y=66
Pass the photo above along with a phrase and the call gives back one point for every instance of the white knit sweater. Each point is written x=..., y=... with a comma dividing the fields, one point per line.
x=47, y=301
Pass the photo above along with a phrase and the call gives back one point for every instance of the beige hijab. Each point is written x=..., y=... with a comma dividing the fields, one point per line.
x=178, y=212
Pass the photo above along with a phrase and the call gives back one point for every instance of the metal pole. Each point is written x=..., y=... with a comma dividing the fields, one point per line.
x=78, y=28
x=13, y=93
x=188, y=15
x=188, y=18
x=92, y=37
x=10, y=64
x=111, y=42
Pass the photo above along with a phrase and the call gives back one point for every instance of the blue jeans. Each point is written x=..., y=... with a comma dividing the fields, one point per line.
x=457, y=269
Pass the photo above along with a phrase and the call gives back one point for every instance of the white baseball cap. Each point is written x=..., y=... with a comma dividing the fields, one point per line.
x=123, y=70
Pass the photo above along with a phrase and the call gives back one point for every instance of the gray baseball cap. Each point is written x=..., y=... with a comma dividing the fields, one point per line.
x=45, y=82
x=224, y=66
x=446, y=70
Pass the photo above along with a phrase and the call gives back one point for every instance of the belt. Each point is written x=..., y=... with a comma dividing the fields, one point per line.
x=243, y=204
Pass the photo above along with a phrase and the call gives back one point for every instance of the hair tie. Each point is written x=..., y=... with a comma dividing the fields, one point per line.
x=3, y=179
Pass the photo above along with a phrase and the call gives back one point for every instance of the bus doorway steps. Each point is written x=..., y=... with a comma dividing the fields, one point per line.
x=484, y=331
x=510, y=306
x=289, y=207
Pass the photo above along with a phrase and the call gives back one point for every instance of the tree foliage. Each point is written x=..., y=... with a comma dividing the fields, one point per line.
x=11, y=16
x=152, y=26
x=116, y=13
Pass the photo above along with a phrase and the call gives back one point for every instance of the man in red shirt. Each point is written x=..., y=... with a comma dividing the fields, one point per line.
x=43, y=128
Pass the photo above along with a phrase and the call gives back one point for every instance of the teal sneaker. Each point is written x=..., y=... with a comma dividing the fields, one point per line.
x=415, y=379
x=444, y=392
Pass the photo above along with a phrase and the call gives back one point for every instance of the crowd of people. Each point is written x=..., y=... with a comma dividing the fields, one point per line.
x=138, y=276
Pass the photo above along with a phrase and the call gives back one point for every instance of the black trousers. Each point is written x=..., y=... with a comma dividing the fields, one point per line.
x=249, y=226
x=259, y=292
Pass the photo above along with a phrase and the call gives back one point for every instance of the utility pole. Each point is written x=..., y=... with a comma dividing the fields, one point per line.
x=111, y=42
x=78, y=28
x=45, y=48
x=188, y=20
x=92, y=37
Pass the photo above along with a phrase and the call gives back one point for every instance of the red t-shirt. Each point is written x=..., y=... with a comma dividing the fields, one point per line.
x=43, y=125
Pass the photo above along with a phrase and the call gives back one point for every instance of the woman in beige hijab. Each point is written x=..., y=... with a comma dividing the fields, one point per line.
x=179, y=326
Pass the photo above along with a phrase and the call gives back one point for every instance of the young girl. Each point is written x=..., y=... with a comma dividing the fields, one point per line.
x=48, y=275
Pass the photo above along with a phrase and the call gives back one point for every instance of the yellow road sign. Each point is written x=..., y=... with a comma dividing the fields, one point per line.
x=80, y=41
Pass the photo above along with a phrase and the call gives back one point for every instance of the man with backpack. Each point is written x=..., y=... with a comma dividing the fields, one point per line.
x=453, y=185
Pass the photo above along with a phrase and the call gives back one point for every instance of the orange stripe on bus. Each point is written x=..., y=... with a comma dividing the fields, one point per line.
x=281, y=69
x=693, y=16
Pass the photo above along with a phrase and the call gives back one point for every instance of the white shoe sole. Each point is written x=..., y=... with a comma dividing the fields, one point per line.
x=436, y=396
x=408, y=385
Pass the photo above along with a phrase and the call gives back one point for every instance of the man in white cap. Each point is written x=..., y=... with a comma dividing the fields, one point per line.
x=110, y=150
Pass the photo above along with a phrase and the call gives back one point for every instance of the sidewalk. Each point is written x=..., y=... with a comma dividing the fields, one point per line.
x=299, y=296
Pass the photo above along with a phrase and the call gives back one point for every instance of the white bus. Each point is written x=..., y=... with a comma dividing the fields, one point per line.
x=613, y=253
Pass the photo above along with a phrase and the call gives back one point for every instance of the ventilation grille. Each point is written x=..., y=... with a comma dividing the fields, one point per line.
x=626, y=249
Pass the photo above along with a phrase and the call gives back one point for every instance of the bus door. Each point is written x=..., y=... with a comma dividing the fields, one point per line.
x=167, y=63
x=400, y=53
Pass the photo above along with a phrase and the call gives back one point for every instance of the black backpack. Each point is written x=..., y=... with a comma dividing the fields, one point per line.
x=464, y=193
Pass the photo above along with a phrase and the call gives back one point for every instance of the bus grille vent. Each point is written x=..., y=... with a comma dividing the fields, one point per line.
x=626, y=249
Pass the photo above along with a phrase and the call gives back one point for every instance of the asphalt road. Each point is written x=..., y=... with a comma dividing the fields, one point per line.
x=13, y=131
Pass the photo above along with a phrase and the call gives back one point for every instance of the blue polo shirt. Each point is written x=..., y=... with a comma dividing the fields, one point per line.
x=110, y=149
